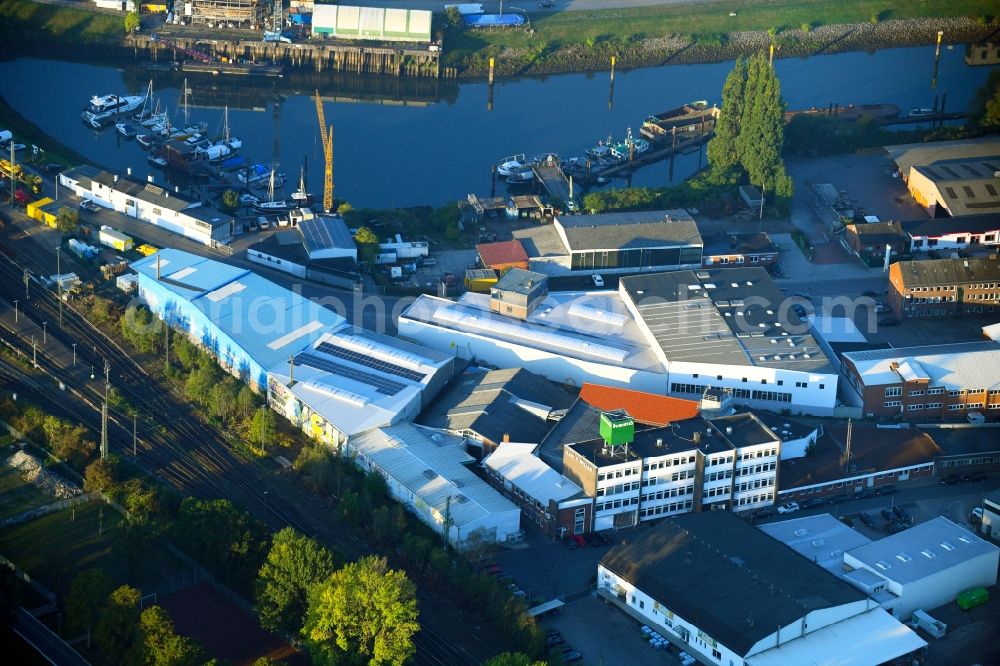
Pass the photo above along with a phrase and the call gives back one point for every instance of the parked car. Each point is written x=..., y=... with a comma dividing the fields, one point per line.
x=87, y=204
x=886, y=490
x=53, y=168
x=598, y=280
x=812, y=501
x=788, y=507
x=896, y=526
x=900, y=514
x=888, y=321
x=975, y=476
x=976, y=516
x=840, y=498
x=867, y=519
x=950, y=480
x=580, y=541
x=552, y=641
x=881, y=307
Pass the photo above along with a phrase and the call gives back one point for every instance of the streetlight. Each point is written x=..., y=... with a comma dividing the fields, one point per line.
x=15, y=311
x=74, y=354
x=45, y=332
x=92, y=372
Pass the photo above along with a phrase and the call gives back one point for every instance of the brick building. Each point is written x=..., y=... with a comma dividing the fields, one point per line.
x=869, y=240
x=738, y=249
x=948, y=382
x=944, y=287
x=503, y=256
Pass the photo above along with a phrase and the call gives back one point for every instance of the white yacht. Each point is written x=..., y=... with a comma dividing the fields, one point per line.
x=102, y=110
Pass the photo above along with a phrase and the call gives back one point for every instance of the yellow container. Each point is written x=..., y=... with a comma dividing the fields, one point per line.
x=146, y=250
x=35, y=211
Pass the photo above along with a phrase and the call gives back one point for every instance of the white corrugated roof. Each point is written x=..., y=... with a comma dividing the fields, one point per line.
x=432, y=466
x=874, y=637
x=992, y=331
x=516, y=462
x=960, y=365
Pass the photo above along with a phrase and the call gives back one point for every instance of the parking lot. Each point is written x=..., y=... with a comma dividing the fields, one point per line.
x=604, y=634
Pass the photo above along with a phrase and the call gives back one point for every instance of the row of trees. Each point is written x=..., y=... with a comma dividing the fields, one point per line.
x=125, y=633
x=749, y=133
x=360, y=612
x=364, y=501
x=68, y=441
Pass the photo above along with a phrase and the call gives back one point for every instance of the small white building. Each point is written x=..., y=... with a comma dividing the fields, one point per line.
x=723, y=591
x=150, y=203
x=927, y=565
x=428, y=472
x=991, y=515
x=960, y=233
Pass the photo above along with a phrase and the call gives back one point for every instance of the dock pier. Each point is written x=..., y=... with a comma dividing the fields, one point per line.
x=553, y=179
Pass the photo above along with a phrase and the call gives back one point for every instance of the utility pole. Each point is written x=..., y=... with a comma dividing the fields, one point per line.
x=135, y=439
x=104, y=411
x=447, y=521
x=27, y=279
x=15, y=311
x=59, y=282
x=34, y=352
x=45, y=332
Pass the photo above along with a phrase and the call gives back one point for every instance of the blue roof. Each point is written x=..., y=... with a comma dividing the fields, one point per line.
x=188, y=275
x=267, y=321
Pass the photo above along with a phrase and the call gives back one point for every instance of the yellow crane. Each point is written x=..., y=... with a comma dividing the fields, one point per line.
x=326, y=135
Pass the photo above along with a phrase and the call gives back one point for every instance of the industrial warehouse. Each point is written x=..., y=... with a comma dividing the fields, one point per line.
x=340, y=384
x=681, y=332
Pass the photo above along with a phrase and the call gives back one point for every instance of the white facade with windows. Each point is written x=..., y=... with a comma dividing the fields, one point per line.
x=756, y=476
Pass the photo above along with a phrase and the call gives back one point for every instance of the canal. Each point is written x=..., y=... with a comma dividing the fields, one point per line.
x=401, y=142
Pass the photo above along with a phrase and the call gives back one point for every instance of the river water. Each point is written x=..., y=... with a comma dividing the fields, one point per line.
x=401, y=142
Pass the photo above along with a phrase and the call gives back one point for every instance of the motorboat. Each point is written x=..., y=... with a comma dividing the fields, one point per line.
x=127, y=130
x=155, y=119
x=511, y=164
x=523, y=175
x=157, y=161
x=629, y=146
x=102, y=110
x=144, y=140
x=258, y=175
x=920, y=112
x=197, y=141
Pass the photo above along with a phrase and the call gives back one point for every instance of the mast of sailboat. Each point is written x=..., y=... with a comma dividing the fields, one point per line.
x=270, y=187
x=225, y=124
x=186, y=103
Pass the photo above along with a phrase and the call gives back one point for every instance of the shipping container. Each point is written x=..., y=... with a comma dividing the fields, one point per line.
x=480, y=280
x=146, y=250
x=35, y=211
x=114, y=239
x=972, y=598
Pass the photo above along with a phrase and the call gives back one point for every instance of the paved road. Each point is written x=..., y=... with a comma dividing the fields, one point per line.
x=45, y=641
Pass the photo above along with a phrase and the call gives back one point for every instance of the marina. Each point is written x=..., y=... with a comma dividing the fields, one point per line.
x=455, y=112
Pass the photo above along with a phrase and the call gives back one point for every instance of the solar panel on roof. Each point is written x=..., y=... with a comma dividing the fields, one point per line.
x=370, y=362
x=383, y=385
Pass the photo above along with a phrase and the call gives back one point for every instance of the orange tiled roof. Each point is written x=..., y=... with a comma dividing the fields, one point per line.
x=504, y=252
x=643, y=407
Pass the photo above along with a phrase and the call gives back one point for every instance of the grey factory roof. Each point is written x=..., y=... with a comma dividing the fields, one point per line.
x=210, y=216
x=434, y=467
x=739, y=243
x=147, y=192
x=727, y=316
x=821, y=539
x=715, y=570
x=922, y=550
x=82, y=174
x=620, y=231
x=939, y=272
x=540, y=240
x=966, y=187
x=519, y=281
x=968, y=365
x=512, y=402
x=966, y=224
x=911, y=154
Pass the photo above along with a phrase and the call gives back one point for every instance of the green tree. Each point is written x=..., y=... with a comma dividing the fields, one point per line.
x=87, y=598
x=724, y=148
x=117, y=635
x=132, y=22
x=230, y=200
x=294, y=564
x=163, y=646
x=512, y=659
x=364, y=613
x=67, y=441
x=367, y=243
x=344, y=207
x=263, y=427
x=986, y=107
x=246, y=402
x=67, y=220
x=762, y=127
x=226, y=540
x=102, y=474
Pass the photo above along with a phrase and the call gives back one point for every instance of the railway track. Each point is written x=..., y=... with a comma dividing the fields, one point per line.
x=190, y=456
